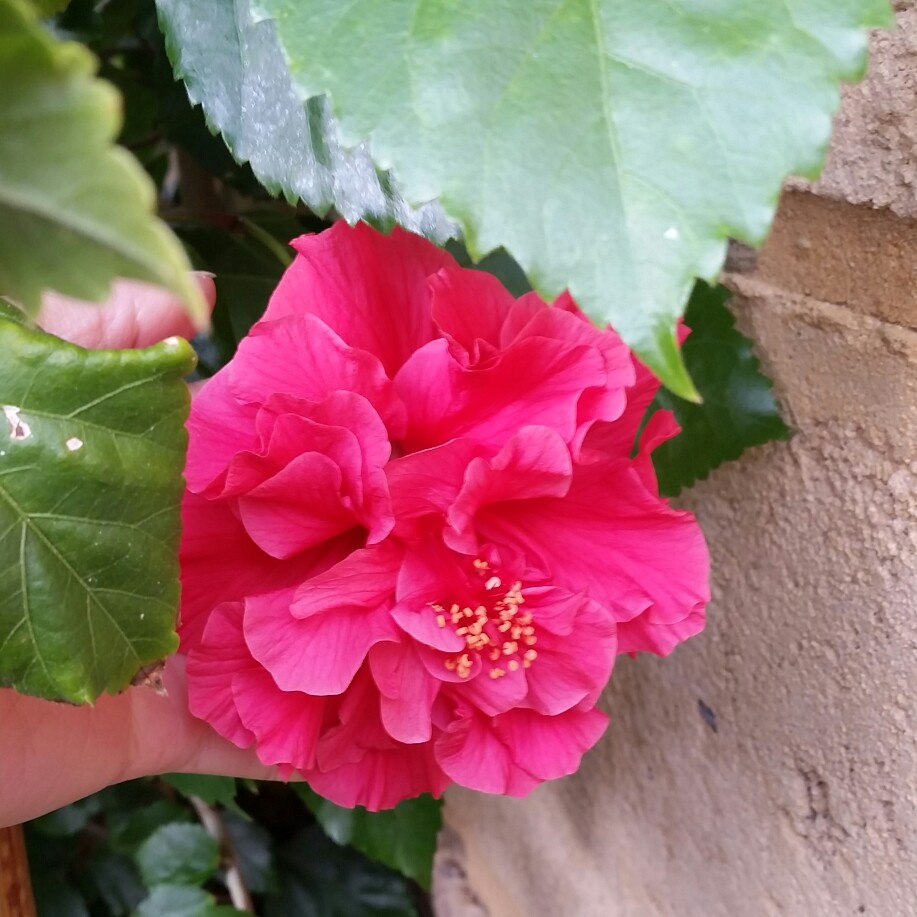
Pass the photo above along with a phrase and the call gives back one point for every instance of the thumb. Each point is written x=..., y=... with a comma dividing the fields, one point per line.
x=134, y=315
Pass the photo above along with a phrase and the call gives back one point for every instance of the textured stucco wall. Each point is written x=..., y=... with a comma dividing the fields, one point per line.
x=803, y=800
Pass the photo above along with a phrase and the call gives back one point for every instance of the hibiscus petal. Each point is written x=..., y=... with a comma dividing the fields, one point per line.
x=421, y=624
x=370, y=288
x=362, y=580
x=536, y=381
x=612, y=537
x=469, y=306
x=220, y=562
x=534, y=463
x=381, y=778
x=643, y=635
x=576, y=665
x=407, y=690
x=549, y=746
x=316, y=655
x=473, y=755
x=493, y=695
x=299, y=507
x=285, y=724
x=219, y=427
x=428, y=481
x=213, y=662
x=301, y=356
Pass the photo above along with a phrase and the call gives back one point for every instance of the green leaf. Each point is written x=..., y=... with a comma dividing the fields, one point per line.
x=91, y=453
x=175, y=901
x=233, y=67
x=403, y=838
x=212, y=789
x=81, y=208
x=69, y=820
x=254, y=852
x=55, y=897
x=129, y=827
x=738, y=410
x=178, y=854
x=611, y=146
x=320, y=879
x=116, y=881
x=182, y=901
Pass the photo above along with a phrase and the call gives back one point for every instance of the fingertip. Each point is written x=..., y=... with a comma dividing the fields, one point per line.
x=207, y=283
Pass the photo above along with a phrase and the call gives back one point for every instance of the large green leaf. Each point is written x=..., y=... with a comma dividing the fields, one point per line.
x=233, y=67
x=403, y=838
x=178, y=854
x=611, y=146
x=738, y=411
x=182, y=901
x=76, y=211
x=91, y=452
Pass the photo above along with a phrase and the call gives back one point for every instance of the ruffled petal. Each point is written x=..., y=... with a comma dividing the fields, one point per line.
x=534, y=463
x=285, y=724
x=421, y=624
x=613, y=538
x=302, y=357
x=381, y=778
x=470, y=306
x=427, y=482
x=219, y=427
x=220, y=562
x=575, y=666
x=319, y=654
x=370, y=288
x=361, y=581
x=549, y=746
x=213, y=661
x=359, y=763
x=472, y=754
x=297, y=508
x=538, y=381
x=407, y=692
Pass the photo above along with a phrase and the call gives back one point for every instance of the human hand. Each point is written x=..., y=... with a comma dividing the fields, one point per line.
x=53, y=754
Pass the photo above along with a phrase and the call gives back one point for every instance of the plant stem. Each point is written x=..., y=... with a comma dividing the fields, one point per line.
x=216, y=828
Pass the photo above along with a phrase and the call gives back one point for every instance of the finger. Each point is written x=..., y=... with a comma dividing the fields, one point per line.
x=134, y=315
x=168, y=738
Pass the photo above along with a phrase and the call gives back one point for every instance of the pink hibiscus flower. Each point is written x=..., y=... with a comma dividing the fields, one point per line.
x=415, y=533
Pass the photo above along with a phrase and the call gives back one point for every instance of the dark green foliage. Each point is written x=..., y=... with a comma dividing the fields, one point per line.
x=140, y=849
x=738, y=409
x=403, y=838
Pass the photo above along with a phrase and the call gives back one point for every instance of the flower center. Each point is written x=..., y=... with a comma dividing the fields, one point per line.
x=495, y=629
